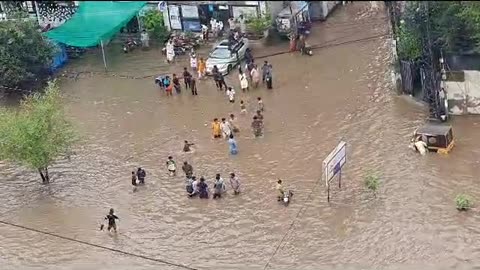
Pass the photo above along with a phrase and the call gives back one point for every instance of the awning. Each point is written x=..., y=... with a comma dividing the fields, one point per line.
x=95, y=22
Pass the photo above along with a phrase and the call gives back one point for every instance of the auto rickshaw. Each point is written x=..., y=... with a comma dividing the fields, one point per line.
x=438, y=137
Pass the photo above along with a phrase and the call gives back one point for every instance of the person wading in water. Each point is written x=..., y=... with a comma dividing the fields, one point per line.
x=111, y=217
x=257, y=126
x=141, y=174
x=187, y=169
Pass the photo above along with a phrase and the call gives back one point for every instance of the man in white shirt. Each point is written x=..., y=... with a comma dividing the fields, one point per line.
x=231, y=23
x=243, y=26
x=231, y=94
x=226, y=129
x=420, y=146
x=145, y=39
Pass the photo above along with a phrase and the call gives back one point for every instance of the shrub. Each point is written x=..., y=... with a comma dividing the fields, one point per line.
x=372, y=182
x=258, y=25
x=463, y=202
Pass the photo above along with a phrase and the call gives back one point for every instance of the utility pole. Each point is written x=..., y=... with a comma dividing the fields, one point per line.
x=429, y=74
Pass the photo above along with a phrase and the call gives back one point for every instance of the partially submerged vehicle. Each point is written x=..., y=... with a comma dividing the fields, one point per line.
x=438, y=137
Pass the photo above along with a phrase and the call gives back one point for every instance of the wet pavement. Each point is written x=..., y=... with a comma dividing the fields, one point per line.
x=342, y=92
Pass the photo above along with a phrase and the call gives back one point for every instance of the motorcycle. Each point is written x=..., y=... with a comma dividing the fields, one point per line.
x=307, y=50
x=287, y=196
x=129, y=45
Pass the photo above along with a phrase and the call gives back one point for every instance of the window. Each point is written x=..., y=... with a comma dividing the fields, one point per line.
x=221, y=53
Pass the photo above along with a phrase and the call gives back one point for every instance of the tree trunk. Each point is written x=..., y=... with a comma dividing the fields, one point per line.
x=44, y=174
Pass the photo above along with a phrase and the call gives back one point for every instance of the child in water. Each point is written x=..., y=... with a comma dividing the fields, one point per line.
x=231, y=94
x=243, y=107
x=260, y=104
x=134, y=179
x=171, y=166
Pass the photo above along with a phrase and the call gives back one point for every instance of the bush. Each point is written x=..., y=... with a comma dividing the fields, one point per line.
x=258, y=25
x=463, y=202
x=153, y=22
x=25, y=55
x=372, y=182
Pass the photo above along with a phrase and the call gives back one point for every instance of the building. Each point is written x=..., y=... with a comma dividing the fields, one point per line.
x=190, y=15
x=52, y=13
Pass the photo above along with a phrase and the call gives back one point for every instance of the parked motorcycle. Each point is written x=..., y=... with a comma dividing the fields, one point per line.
x=129, y=45
x=307, y=50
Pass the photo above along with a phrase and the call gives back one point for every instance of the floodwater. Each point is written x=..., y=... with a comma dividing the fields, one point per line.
x=342, y=92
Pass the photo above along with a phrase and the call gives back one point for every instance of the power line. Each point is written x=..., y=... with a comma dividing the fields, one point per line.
x=291, y=226
x=98, y=246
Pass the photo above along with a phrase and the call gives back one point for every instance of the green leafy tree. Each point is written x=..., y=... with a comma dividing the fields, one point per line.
x=37, y=133
x=409, y=43
x=25, y=55
x=258, y=24
x=470, y=13
x=153, y=22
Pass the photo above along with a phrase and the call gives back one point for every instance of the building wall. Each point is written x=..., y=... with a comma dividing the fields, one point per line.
x=464, y=97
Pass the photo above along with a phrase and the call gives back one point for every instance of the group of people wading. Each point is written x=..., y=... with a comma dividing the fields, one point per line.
x=199, y=187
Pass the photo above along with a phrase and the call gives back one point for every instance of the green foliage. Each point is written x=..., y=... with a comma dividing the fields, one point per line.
x=454, y=26
x=372, y=182
x=258, y=25
x=37, y=133
x=25, y=55
x=409, y=43
x=463, y=202
x=470, y=13
x=153, y=22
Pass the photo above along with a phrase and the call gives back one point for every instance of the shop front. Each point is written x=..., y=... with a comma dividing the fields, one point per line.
x=190, y=15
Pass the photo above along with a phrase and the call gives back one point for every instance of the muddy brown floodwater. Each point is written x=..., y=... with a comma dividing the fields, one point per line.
x=340, y=92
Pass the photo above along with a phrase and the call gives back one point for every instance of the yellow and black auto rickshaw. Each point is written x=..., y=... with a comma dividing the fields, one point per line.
x=438, y=137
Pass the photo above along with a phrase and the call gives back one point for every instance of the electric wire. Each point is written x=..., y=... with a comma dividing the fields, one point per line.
x=97, y=246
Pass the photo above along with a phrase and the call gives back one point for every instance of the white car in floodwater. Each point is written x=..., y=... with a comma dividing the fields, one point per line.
x=224, y=59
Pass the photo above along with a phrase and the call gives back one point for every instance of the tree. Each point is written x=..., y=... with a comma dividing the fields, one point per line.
x=258, y=24
x=25, y=55
x=37, y=133
x=153, y=22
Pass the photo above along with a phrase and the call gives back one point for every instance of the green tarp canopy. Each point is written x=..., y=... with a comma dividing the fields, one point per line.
x=94, y=22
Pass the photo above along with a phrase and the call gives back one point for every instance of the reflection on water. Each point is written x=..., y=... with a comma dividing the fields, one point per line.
x=340, y=93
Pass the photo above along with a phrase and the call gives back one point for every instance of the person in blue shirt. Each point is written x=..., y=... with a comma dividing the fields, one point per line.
x=233, y=145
